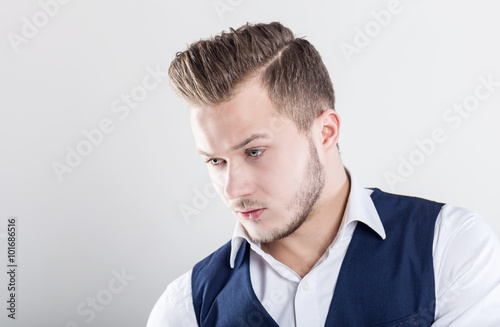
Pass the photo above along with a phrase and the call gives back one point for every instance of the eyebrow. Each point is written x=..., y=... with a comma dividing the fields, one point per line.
x=239, y=145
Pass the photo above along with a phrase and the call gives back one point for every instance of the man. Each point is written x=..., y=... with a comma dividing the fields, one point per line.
x=311, y=246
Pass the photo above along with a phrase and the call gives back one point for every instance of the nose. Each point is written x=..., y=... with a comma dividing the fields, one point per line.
x=237, y=181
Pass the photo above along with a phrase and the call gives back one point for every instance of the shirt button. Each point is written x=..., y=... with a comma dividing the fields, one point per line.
x=305, y=286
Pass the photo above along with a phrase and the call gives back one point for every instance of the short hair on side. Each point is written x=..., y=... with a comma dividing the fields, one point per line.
x=210, y=71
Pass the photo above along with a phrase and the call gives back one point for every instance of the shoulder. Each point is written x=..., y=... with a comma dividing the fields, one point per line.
x=219, y=258
x=411, y=214
x=211, y=274
x=467, y=267
x=401, y=199
x=462, y=233
x=454, y=223
x=175, y=305
x=407, y=204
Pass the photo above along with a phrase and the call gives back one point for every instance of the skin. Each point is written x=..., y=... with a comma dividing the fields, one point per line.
x=298, y=178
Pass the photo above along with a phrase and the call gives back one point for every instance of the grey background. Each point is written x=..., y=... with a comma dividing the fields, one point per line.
x=119, y=209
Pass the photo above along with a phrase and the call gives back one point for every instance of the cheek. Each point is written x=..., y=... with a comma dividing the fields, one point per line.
x=281, y=174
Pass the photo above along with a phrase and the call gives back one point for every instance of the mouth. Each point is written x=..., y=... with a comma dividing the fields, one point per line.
x=252, y=214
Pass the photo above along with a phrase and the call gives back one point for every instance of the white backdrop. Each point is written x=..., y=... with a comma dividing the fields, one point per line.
x=97, y=161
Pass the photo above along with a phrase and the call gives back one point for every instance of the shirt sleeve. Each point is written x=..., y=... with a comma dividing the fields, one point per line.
x=174, y=308
x=467, y=270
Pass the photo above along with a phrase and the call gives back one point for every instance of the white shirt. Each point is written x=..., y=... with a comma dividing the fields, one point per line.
x=466, y=257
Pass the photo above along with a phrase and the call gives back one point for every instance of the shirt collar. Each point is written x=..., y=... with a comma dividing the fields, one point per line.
x=359, y=208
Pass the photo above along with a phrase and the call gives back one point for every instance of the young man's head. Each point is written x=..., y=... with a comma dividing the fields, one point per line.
x=290, y=69
x=261, y=104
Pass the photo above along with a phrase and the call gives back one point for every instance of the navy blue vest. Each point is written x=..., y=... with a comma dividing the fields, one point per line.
x=382, y=283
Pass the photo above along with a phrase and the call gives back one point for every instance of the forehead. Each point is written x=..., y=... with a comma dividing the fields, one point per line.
x=218, y=128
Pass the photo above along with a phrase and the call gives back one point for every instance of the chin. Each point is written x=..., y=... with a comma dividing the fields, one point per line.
x=256, y=233
x=262, y=235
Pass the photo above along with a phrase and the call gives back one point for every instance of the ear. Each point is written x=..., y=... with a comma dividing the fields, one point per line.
x=328, y=123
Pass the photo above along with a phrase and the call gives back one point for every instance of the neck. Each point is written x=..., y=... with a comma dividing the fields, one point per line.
x=301, y=250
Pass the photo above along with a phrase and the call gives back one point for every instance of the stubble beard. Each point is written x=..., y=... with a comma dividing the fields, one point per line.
x=302, y=202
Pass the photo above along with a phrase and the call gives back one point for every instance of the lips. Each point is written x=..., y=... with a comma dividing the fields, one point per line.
x=247, y=209
x=251, y=214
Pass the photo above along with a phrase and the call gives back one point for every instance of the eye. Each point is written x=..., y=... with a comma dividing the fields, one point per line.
x=214, y=161
x=255, y=153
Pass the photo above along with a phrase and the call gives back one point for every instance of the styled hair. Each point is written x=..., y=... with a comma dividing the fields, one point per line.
x=211, y=71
